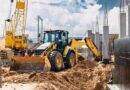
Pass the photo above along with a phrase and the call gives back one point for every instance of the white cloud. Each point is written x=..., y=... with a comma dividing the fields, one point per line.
x=61, y=18
x=58, y=17
x=114, y=20
x=48, y=1
x=4, y=7
x=91, y=1
x=64, y=1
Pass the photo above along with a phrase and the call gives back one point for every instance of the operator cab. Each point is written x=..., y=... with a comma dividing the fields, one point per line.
x=60, y=37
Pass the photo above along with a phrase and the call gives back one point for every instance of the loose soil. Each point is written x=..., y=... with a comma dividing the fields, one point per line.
x=86, y=75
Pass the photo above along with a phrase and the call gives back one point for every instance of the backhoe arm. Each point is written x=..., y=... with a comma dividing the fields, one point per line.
x=89, y=43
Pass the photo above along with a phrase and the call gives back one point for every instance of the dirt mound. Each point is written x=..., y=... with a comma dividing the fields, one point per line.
x=85, y=65
x=86, y=75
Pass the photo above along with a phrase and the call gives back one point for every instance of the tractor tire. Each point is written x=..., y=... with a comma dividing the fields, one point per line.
x=56, y=61
x=70, y=60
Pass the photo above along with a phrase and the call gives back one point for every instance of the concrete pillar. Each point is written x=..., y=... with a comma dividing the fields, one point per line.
x=90, y=54
x=97, y=40
x=105, y=40
x=90, y=34
x=122, y=24
x=129, y=20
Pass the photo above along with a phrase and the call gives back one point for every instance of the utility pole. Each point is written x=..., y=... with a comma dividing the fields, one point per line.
x=105, y=36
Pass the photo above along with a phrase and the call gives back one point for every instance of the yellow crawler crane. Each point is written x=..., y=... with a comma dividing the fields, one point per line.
x=15, y=27
x=55, y=53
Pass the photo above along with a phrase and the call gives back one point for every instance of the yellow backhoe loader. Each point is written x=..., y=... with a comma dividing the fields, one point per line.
x=55, y=53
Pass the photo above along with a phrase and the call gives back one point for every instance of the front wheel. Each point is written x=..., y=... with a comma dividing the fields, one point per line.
x=70, y=60
x=56, y=60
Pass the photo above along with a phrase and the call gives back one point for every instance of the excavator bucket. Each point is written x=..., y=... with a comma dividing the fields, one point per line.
x=30, y=64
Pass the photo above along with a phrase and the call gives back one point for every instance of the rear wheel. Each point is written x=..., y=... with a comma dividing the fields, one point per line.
x=56, y=61
x=70, y=60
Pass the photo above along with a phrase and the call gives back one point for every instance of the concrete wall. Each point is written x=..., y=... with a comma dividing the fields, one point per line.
x=122, y=24
x=129, y=20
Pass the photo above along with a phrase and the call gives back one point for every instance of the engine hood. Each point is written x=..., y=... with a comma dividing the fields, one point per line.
x=40, y=49
x=43, y=46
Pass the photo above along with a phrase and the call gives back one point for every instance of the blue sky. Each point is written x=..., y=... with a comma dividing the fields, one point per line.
x=77, y=4
x=111, y=3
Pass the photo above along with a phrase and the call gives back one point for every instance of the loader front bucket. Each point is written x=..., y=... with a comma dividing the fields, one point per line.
x=30, y=64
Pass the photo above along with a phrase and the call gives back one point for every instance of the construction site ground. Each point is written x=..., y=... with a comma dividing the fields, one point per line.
x=86, y=75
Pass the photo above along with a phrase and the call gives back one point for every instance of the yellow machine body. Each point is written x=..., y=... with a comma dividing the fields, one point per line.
x=42, y=62
x=9, y=40
x=15, y=37
x=15, y=42
x=33, y=62
x=90, y=44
